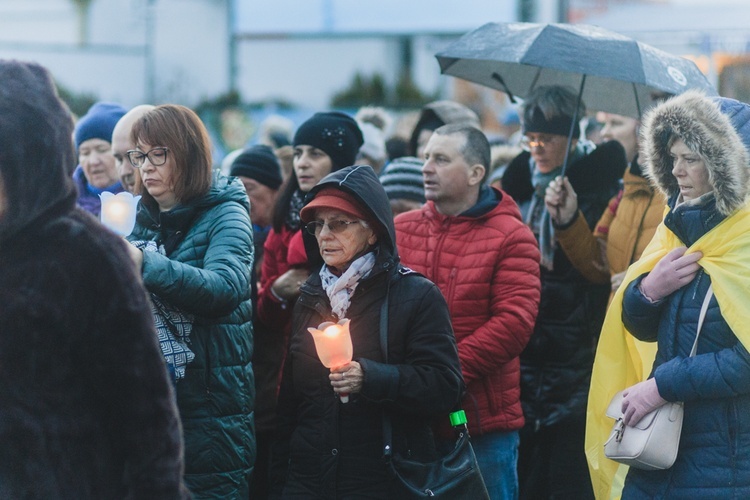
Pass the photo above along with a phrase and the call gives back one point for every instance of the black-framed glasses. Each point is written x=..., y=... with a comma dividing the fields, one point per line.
x=335, y=226
x=157, y=157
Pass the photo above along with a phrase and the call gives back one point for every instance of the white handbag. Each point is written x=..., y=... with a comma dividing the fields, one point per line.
x=652, y=443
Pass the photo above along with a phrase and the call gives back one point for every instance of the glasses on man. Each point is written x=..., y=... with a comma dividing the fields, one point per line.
x=157, y=157
x=335, y=226
x=541, y=142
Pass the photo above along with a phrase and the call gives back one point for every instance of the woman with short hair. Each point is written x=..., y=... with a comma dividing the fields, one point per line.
x=200, y=221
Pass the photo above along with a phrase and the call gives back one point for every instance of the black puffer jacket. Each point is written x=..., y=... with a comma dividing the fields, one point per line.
x=328, y=449
x=556, y=364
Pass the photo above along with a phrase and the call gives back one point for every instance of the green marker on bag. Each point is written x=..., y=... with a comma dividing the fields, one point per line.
x=458, y=418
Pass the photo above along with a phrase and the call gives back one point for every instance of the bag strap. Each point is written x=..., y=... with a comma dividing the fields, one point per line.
x=387, y=425
x=701, y=318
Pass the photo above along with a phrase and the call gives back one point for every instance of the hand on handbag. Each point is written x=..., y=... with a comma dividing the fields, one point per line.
x=640, y=399
x=671, y=273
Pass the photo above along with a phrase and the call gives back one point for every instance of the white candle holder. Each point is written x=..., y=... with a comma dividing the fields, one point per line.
x=118, y=212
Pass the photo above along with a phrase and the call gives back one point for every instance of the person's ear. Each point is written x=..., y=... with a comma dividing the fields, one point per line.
x=476, y=174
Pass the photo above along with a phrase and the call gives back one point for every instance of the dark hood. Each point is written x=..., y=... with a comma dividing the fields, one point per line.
x=717, y=129
x=36, y=148
x=361, y=182
x=439, y=113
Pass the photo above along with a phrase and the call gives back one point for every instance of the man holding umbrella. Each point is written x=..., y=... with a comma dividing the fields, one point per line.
x=556, y=364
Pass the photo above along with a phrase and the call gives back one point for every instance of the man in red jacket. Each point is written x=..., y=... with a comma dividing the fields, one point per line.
x=469, y=239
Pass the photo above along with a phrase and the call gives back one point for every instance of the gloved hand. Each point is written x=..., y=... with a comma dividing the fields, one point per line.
x=640, y=399
x=561, y=201
x=671, y=273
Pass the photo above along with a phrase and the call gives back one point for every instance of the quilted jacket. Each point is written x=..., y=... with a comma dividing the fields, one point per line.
x=206, y=272
x=487, y=267
x=626, y=227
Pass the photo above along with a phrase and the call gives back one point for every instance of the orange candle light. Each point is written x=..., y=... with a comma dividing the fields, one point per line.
x=333, y=344
x=118, y=212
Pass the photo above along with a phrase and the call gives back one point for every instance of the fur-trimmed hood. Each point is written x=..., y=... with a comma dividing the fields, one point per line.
x=717, y=129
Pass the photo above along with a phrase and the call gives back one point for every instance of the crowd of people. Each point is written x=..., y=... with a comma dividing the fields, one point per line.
x=511, y=279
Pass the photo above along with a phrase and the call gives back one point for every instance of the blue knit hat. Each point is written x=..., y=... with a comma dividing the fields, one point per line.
x=98, y=122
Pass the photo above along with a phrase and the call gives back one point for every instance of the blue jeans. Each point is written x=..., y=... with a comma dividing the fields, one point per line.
x=497, y=455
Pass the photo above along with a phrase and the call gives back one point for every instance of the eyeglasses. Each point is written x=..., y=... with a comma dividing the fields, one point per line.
x=335, y=226
x=541, y=142
x=157, y=157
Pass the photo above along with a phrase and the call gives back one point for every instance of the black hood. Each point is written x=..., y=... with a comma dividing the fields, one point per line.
x=361, y=182
x=36, y=147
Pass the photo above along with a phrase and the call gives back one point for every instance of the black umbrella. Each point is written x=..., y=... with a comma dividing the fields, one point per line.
x=612, y=72
x=621, y=75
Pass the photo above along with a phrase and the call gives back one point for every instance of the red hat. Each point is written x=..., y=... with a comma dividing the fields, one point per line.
x=333, y=198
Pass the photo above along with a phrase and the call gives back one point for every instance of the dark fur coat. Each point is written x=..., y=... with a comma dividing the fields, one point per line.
x=86, y=408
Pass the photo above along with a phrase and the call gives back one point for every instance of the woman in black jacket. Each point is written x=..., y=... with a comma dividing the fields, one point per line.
x=327, y=448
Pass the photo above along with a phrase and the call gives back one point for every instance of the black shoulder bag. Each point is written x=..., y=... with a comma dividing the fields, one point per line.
x=454, y=476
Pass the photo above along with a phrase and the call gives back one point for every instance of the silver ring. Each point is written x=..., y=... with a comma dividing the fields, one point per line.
x=343, y=375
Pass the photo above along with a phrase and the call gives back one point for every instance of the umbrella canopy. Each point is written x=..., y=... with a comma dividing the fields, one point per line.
x=621, y=75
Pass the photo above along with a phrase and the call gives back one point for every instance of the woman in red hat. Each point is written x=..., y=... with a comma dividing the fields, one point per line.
x=327, y=448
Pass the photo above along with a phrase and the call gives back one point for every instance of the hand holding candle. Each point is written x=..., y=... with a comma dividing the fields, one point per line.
x=118, y=212
x=333, y=344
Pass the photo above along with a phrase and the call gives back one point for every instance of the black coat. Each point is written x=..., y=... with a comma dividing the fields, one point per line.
x=556, y=364
x=328, y=449
x=86, y=407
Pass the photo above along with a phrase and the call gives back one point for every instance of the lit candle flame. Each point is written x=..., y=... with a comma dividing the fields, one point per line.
x=118, y=212
x=333, y=343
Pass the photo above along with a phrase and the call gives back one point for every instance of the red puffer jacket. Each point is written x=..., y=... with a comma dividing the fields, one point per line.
x=281, y=252
x=487, y=267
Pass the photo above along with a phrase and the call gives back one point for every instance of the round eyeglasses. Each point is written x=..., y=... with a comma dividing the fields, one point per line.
x=335, y=226
x=157, y=157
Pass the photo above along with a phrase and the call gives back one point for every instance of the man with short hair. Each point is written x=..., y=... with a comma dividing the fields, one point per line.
x=121, y=144
x=469, y=239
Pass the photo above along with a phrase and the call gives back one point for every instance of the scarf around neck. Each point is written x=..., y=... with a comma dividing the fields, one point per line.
x=292, y=214
x=340, y=288
x=538, y=217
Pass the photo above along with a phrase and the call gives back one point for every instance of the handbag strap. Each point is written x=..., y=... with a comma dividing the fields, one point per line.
x=701, y=318
x=387, y=425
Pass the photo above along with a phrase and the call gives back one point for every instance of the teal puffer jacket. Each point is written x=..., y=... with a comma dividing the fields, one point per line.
x=206, y=272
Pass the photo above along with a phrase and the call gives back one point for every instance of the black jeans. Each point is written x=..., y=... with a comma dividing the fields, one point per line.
x=552, y=463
